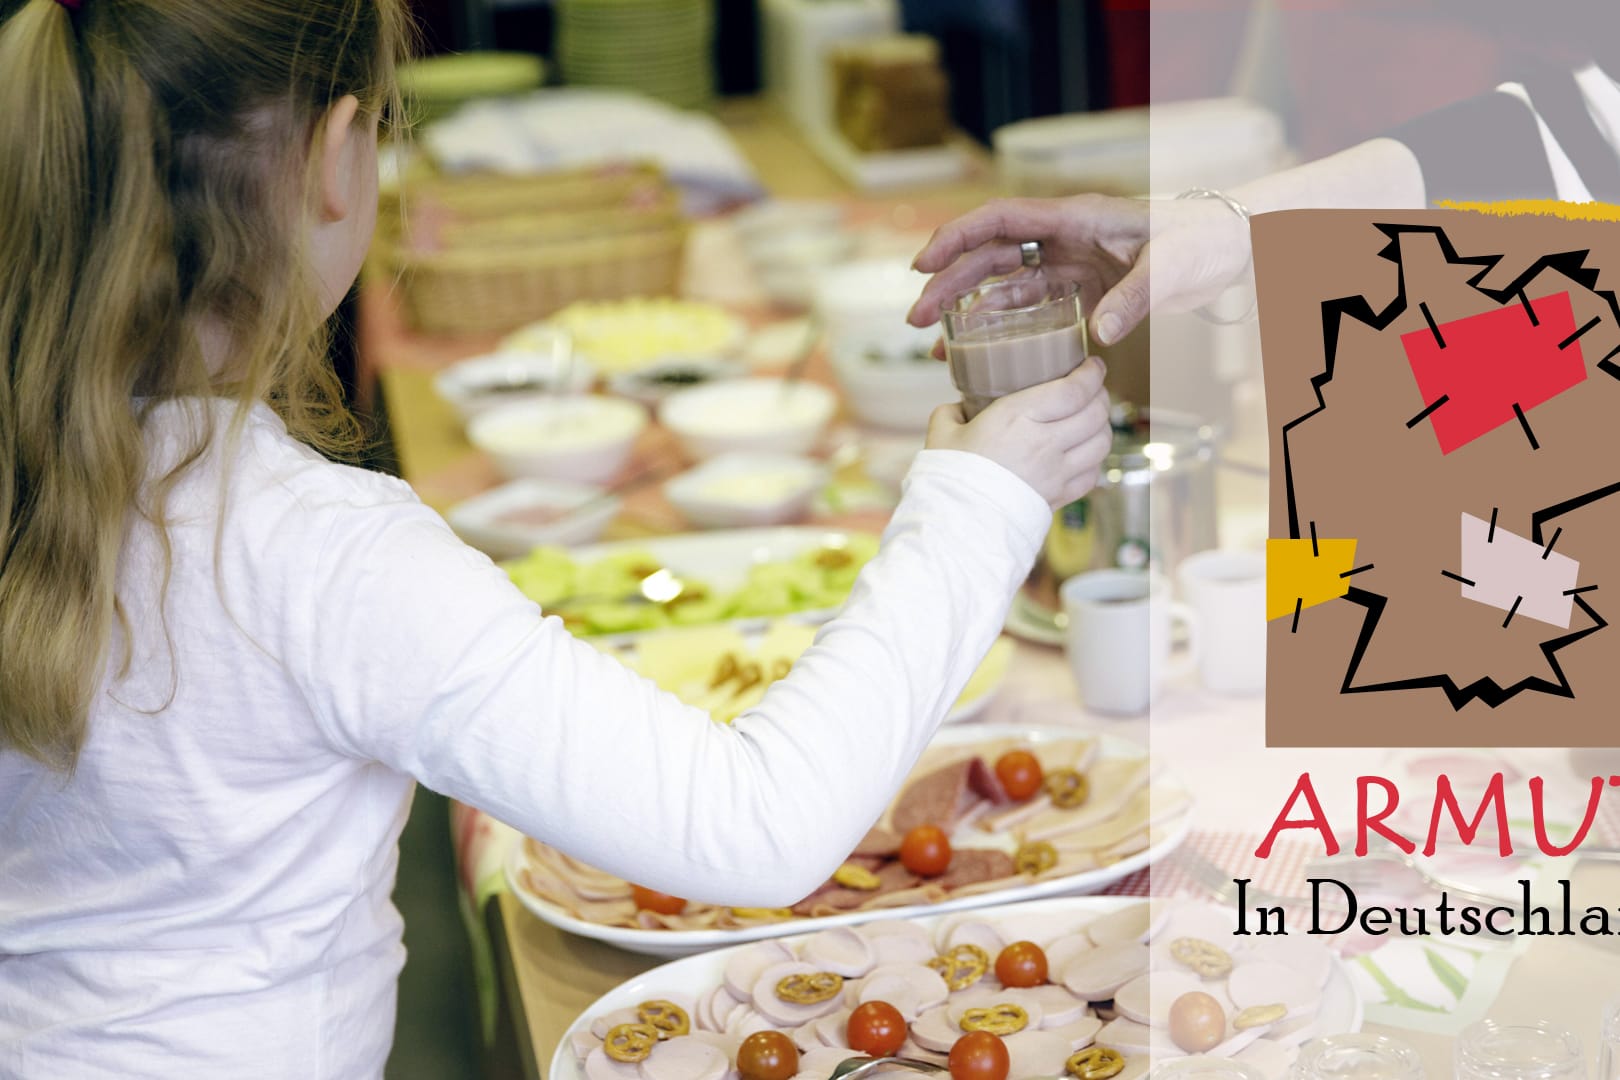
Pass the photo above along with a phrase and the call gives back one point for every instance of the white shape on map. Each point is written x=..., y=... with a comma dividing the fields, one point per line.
x=1508, y=567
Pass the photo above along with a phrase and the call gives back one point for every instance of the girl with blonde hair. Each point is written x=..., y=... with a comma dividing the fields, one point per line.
x=225, y=661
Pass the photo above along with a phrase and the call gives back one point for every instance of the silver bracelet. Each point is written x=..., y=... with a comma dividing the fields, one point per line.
x=1243, y=212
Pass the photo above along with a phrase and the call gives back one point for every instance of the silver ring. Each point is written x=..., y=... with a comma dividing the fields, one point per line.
x=1029, y=253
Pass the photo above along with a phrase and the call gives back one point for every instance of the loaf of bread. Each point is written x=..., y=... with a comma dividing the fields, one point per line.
x=889, y=93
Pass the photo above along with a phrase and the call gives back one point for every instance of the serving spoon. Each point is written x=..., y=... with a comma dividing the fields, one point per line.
x=857, y=1068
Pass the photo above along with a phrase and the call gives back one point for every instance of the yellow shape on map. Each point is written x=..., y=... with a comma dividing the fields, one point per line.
x=1295, y=574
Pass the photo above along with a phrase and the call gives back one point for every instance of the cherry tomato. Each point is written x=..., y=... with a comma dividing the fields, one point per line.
x=876, y=1028
x=1021, y=964
x=926, y=850
x=979, y=1055
x=662, y=903
x=767, y=1055
x=1019, y=772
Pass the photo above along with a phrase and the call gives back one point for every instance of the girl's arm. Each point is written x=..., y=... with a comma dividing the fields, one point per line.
x=425, y=657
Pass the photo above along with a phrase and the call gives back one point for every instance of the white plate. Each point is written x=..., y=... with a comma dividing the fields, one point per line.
x=1339, y=1013
x=1026, y=621
x=586, y=511
x=721, y=559
x=708, y=496
x=473, y=386
x=967, y=707
x=686, y=942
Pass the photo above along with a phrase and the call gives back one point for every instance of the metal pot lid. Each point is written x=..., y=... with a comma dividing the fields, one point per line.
x=1158, y=440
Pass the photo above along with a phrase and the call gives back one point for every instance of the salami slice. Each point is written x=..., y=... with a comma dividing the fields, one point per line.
x=937, y=798
x=879, y=842
x=983, y=782
x=970, y=866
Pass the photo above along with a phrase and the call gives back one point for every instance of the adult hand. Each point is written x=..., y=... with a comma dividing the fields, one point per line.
x=1105, y=245
x=1054, y=436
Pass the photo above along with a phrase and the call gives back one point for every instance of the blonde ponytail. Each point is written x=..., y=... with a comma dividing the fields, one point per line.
x=151, y=193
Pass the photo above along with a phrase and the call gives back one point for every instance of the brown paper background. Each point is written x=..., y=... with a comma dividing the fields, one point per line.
x=1360, y=472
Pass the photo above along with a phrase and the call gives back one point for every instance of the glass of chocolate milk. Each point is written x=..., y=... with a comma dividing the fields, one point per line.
x=1006, y=335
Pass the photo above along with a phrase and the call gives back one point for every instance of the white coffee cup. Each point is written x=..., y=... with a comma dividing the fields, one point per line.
x=1118, y=638
x=1227, y=592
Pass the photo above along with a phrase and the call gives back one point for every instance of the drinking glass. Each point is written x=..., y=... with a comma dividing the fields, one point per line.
x=1010, y=334
x=1357, y=1057
x=1492, y=1051
x=1609, y=1054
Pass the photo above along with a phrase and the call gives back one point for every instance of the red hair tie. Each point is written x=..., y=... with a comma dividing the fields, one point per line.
x=71, y=5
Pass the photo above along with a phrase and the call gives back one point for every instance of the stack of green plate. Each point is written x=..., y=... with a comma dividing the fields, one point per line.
x=662, y=48
x=436, y=85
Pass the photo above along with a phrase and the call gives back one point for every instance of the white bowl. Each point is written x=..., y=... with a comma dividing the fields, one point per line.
x=650, y=385
x=500, y=378
x=867, y=300
x=572, y=514
x=789, y=262
x=747, y=489
x=584, y=437
x=895, y=384
x=762, y=415
x=777, y=215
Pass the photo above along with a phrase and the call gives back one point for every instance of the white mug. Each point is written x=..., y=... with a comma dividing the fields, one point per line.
x=1118, y=638
x=1227, y=592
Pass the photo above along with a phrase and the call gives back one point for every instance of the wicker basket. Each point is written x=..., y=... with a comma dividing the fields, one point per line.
x=492, y=253
x=490, y=196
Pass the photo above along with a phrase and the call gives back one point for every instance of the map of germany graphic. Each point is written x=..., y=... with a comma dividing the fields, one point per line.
x=1447, y=499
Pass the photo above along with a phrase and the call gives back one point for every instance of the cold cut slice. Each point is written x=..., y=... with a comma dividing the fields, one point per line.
x=1036, y=1054
x=1058, y=1006
x=744, y=969
x=970, y=866
x=1127, y=924
x=789, y=1014
x=971, y=932
x=601, y=1025
x=911, y=990
x=934, y=1030
x=880, y=843
x=598, y=1066
x=1148, y=997
x=982, y=781
x=1080, y=1033
x=684, y=1059
x=1095, y=975
x=937, y=798
x=840, y=950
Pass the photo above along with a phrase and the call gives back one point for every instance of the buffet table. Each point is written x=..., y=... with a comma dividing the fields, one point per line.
x=547, y=977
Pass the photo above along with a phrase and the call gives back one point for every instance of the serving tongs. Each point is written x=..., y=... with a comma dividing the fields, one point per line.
x=858, y=1068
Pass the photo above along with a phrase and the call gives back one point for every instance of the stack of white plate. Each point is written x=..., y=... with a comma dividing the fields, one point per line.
x=662, y=48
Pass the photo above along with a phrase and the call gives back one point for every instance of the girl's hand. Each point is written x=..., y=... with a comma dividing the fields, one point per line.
x=1054, y=436
x=1102, y=244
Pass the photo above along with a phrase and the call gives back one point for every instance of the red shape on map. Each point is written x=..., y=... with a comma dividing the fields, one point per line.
x=1493, y=361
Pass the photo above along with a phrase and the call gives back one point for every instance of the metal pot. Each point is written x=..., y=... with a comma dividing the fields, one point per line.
x=1154, y=505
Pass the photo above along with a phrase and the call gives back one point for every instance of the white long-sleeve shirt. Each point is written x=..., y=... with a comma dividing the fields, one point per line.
x=208, y=894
